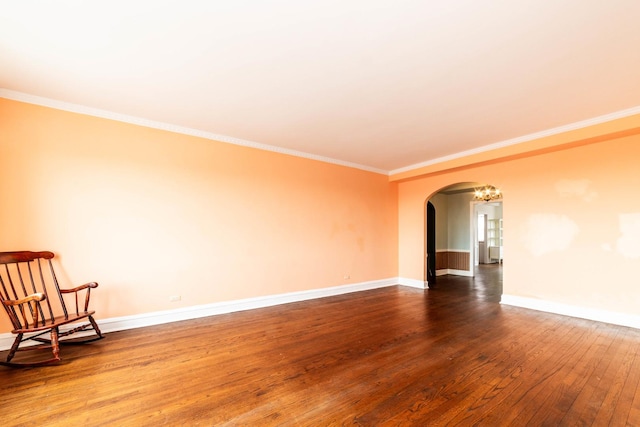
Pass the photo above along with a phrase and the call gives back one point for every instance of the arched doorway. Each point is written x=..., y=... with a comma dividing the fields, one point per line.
x=452, y=243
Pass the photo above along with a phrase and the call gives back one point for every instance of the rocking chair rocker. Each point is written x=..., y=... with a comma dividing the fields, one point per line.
x=35, y=304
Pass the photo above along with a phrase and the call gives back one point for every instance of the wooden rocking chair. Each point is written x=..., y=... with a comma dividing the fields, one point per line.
x=33, y=300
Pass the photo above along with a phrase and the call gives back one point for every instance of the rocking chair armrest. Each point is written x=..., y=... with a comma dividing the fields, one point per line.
x=33, y=297
x=79, y=288
x=87, y=295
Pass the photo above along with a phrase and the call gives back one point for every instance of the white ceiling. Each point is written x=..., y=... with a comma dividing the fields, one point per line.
x=383, y=84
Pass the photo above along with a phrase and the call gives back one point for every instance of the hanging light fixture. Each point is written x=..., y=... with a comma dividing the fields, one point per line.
x=486, y=194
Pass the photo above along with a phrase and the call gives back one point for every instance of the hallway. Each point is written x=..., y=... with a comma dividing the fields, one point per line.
x=485, y=286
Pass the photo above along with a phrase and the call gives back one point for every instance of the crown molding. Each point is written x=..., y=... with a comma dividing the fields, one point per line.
x=95, y=112
x=525, y=138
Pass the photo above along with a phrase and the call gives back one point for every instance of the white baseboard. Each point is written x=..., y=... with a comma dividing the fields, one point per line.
x=614, y=318
x=454, y=272
x=159, y=317
x=413, y=283
x=465, y=273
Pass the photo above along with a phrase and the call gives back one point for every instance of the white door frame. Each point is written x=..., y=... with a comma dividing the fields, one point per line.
x=473, y=237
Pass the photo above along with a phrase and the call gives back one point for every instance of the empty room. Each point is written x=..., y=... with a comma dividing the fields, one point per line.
x=312, y=214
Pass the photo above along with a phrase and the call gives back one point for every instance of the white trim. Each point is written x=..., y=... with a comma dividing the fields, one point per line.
x=413, y=283
x=445, y=271
x=530, y=137
x=95, y=112
x=623, y=319
x=160, y=317
x=474, y=256
x=89, y=111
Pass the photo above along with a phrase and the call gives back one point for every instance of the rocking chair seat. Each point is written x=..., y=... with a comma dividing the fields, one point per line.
x=57, y=321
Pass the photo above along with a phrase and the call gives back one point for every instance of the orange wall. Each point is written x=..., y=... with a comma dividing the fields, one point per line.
x=149, y=213
x=571, y=221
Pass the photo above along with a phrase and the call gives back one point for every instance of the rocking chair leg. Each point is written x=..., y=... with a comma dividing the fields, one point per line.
x=54, y=344
x=14, y=347
x=95, y=326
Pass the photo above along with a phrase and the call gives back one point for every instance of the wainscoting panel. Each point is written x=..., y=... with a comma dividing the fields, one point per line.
x=442, y=260
x=452, y=260
x=459, y=260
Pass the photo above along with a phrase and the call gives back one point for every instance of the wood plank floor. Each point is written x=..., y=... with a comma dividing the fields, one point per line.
x=395, y=356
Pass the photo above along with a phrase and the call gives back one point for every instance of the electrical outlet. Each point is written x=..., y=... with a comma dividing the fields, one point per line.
x=174, y=298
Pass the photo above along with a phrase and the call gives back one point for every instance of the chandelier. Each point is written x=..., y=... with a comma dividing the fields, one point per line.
x=486, y=194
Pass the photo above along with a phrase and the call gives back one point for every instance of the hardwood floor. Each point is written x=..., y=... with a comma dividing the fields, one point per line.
x=394, y=356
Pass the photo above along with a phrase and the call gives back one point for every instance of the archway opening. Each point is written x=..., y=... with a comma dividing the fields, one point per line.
x=468, y=233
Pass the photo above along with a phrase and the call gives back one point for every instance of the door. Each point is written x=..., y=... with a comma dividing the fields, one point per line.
x=431, y=244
